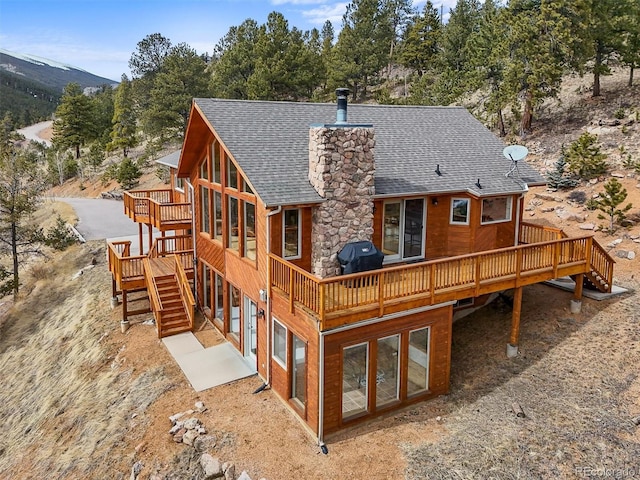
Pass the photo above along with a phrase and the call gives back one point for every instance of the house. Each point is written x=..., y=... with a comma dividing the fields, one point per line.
x=277, y=189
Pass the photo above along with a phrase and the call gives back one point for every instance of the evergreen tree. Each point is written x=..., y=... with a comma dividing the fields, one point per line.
x=631, y=38
x=422, y=39
x=21, y=187
x=609, y=201
x=487, y=48
x=585, y=158
x=102, y=108
x=128, y=174
x=537, y=52
x=398, y=14
x=74, y=123
x=360, y=52
x=327, y=36
x=234, y=61
x=149, y=56
x=181, y=78
x=558, y=179
x=123, y=132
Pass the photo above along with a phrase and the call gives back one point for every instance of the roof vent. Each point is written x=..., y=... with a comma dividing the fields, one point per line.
x=341, y=116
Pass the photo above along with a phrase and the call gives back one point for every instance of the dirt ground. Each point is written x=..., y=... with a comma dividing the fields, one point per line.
x=575, y=378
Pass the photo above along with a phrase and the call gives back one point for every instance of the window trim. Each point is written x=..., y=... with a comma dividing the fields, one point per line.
x=397, y=398
x=245, y=233
x=428, y=355
x=456, y=222
x=502, y=220
x=299, y=240
x=367, y=409
x=282, y=362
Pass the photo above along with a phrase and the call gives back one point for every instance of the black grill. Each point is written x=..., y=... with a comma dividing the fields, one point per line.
x=360, y=257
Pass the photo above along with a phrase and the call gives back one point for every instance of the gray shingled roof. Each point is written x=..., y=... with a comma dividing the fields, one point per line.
x=270, y=142
x=170, y=160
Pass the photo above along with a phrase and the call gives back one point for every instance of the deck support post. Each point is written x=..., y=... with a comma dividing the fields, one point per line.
x=140, y=238
x=512, y=346
x=124, y=306
x=150, y=243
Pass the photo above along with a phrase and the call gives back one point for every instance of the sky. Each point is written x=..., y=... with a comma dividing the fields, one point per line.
x=99, y=36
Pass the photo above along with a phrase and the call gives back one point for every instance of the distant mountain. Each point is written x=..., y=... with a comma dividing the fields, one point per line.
x=31, y=86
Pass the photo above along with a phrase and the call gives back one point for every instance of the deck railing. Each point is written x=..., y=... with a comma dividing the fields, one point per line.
x=127, y=270
x=601, y=272
x=368, y=294
x=157, y=207
x=188, y=300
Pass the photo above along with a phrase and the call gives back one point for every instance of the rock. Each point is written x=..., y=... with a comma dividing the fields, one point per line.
x=189, y=437
x=205, y=442
x=191, y=423
x=617, y=174
x=136, y=469
x=593, y=181
x=615, y=243
x=622, y=254
x=631, y=255
x=200, y=407
x=201, y=430
x=178, y=435
x=587, y=226
x=244, y=476
x=544, y=196
x=210, y=466
x=229, y=470
x=547, y=209
x=141, y=447
x=175, y=428
x=569, y=216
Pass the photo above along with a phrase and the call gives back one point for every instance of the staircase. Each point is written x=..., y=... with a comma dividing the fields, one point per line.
x=170, y=295
x=173, y=315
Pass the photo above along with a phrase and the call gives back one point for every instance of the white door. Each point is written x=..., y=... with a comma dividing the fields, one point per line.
x=251, y=332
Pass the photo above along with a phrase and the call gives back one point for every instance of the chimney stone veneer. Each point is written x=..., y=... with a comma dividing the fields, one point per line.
x=342, y=170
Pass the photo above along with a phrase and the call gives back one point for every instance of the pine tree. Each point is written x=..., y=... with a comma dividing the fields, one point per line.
x=123, y=132
x=557, y=178
x=74, y=120
x=609, y=201
x=21, y=187
x=584, y=157
x=422, y=38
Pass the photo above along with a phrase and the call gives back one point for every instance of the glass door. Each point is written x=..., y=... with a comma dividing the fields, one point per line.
x=251, y=332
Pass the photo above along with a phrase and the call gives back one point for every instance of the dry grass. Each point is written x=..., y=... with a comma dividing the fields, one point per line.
x=67, y=401
x=572, y=380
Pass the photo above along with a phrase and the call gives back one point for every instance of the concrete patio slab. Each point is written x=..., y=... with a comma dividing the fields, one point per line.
x=566, y=283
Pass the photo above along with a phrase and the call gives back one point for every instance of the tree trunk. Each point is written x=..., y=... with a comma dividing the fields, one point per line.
x=631, y=76
x=596, y=72
x=527, y=115
x=14, y=254
x=77, y=151
x=501, y=127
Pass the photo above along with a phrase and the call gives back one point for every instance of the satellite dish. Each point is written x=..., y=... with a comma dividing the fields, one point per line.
x=515, y=153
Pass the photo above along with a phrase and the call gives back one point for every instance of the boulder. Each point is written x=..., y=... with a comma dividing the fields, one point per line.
x=191, y=423
x=205, y=442
x=244, y=476
x=587, y=226
x=210, y=466
x=189, y=437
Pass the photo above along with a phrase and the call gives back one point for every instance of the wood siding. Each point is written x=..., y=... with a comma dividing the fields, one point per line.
x=439, y=362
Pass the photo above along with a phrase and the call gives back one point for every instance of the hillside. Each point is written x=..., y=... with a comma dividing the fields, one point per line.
x=82, y=400
x=31, y=86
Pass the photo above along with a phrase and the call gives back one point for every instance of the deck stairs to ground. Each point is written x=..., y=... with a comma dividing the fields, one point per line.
x=166, y=273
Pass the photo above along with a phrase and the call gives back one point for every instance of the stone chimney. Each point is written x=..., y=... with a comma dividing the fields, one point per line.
x=342, y=170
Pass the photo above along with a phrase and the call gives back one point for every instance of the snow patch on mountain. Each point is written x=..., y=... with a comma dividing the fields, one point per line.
x=40, y=60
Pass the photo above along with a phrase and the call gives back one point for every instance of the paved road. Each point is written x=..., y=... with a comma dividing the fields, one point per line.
x=31, y=132
x=101, y=218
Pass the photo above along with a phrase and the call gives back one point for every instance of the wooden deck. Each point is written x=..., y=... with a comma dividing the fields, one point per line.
x=349, y=298
x=157, y=208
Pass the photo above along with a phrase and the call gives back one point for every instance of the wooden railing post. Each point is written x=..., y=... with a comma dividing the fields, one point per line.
x=381, y=294
x=478, y=274
x=291, y=299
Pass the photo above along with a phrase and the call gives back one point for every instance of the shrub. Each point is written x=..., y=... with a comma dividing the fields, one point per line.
x=59, y=237
x=577, y=196
x=585, y=158
x=609, y=201
x=557, y=178
x=620, y=113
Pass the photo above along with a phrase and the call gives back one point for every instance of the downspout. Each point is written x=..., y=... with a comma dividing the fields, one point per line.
x=192, y=195
x=321, y=443
x=270, y=214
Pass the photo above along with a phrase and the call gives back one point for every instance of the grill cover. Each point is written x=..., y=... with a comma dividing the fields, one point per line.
x=360, y=257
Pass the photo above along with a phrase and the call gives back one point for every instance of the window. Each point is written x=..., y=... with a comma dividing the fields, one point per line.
x=249, y=232
x=217, y=216
x=205, y=222
x=299, y=373
x=291, y=234
x=232, y=174
x=215, y=147
x=403, y=234
x=219, y=296
x=206, y=286
x=234, y=302
x=355, y=367
x=232, y=222
x=388, y=366
x=178, y=182
x=460, y=211
x=204, y=169
x=280, y=343
x=497, y=209
x=246, y=187
x=464, y=302
x=418, y=365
